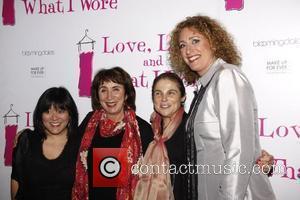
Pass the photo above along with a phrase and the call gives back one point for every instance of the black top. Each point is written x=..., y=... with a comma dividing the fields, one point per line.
x=177, y=156
x=109, y=193
x=39, y=177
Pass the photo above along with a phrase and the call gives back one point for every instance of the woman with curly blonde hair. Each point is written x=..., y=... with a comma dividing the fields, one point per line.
x=221, y=42
x=222, y=133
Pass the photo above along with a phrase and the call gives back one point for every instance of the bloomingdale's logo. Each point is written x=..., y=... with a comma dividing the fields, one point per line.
x=279, y=42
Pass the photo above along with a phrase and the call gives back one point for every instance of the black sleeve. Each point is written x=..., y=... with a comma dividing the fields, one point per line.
x=146, y=133
x=19, y=153
x=84, y=123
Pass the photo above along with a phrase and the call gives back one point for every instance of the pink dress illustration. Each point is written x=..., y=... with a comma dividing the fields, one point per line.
x=85, y=66
x=11, y=127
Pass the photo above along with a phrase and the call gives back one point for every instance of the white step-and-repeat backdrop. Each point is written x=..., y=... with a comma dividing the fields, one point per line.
x=43, y=43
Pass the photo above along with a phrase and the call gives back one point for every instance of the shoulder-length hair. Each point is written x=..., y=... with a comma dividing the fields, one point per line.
x=116, y=75
x=220, y=41
x=59, y=98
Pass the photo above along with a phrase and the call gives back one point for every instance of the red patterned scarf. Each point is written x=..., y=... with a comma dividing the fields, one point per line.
x=131, y=140
x=156, y=184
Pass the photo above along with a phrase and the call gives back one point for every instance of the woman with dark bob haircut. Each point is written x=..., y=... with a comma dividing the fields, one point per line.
x=44, y=159
x=61, y=99
x=112, y=124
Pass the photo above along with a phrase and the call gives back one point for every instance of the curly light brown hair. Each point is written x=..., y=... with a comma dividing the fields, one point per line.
x=220, y=41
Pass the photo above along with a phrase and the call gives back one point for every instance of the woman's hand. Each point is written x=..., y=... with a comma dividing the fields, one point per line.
x=266, y=162
x=14, y=186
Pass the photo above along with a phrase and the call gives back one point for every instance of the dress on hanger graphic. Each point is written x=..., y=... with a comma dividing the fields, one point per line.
x=85, y=66
x=11, y=128
x=234, y=4
x=8, y=12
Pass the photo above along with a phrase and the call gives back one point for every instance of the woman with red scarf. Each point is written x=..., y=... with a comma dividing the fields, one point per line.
x=112, y=124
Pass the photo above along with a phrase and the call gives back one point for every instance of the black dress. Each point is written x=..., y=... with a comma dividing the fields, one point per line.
x=39, y=177
x=177, y=156
x=109, y=193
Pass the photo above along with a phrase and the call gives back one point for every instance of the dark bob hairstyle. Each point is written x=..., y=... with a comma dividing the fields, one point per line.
x=59, y=98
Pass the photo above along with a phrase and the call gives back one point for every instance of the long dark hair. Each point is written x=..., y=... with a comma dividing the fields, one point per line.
x=59, y=98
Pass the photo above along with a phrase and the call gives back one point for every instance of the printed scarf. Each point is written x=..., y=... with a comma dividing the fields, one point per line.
x=131, y=140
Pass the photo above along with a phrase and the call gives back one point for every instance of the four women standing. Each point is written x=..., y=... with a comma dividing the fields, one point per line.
x=221, y=129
